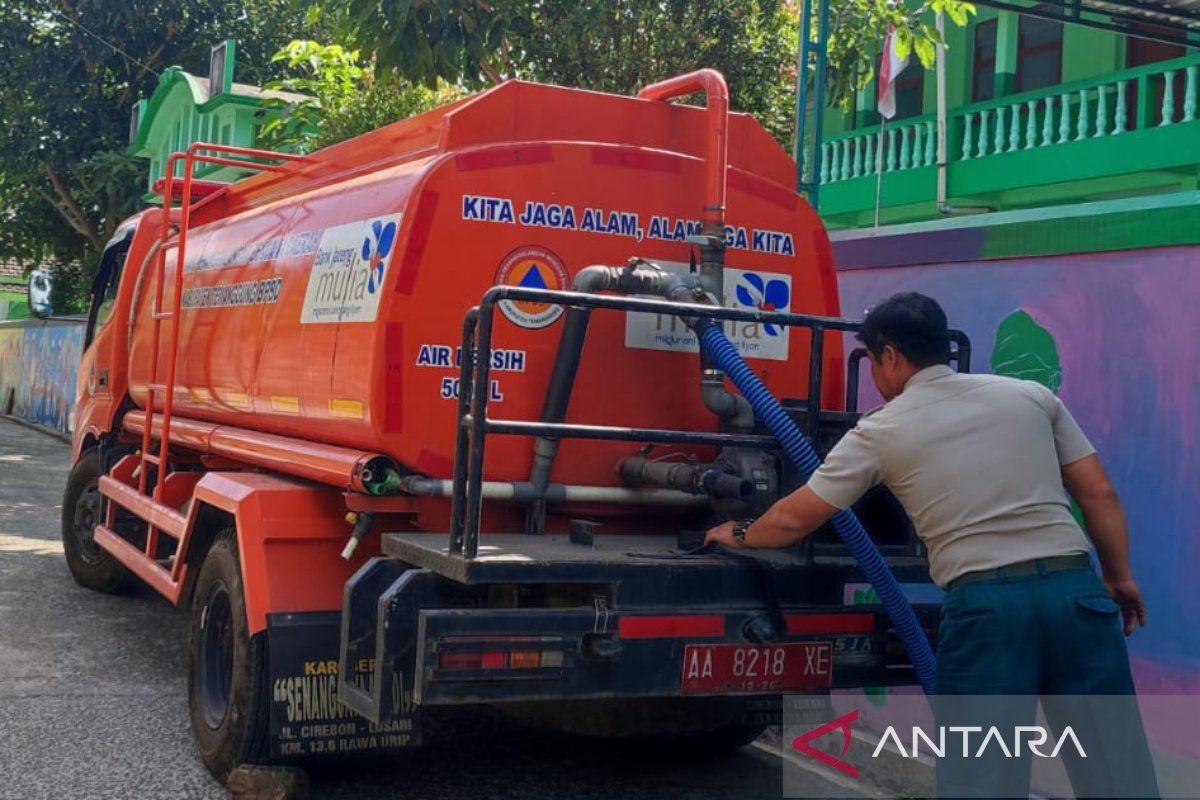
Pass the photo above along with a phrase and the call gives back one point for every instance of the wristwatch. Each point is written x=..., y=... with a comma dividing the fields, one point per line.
x=740, y=528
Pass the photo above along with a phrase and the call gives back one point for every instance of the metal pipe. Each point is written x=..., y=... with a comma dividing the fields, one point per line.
x=731, y=409
x=943, y=206
x=646, y=278
x=557, y=493
x=716, y=158
x=647, y=305
x=343, y=467
x=616, y=433
x=637, y=278
x=706, y=479
x=461, y=437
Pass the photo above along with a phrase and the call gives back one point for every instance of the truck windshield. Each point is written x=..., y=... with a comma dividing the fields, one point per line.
x=104, y=285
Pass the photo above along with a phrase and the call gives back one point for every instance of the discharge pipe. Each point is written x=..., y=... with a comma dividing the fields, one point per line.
x=716, y=155
x=730, y=408
x=800, y=452
x=638, y=277
x=525, y=492
x=705, y=479
x=733, y=411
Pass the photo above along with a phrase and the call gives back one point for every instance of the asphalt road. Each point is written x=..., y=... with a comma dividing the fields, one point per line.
x=93, y=695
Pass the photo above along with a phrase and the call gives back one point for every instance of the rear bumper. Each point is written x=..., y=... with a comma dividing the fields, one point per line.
x=434, y=641
x=641, y=653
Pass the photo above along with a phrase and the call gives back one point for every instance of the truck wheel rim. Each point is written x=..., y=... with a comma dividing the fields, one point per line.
x=87, y=514
x=216, y=656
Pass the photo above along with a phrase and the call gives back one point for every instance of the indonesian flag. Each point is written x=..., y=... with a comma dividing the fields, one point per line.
x=890, y=67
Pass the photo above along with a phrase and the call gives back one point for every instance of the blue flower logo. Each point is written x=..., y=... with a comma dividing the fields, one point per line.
x=772, y=295
x=375, y=250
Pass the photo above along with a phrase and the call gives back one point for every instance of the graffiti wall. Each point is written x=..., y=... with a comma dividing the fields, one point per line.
x=38, y=368
x=1115, y=335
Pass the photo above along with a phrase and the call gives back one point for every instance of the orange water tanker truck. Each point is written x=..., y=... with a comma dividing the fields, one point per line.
x=419, y=421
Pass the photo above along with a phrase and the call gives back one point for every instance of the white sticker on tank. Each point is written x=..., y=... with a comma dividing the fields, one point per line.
x=767, y=291
x=349, y=271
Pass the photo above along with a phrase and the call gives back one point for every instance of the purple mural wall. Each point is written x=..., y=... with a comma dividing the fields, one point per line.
x=1124, y=329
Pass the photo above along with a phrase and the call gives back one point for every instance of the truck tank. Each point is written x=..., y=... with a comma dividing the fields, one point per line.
x=326, y=302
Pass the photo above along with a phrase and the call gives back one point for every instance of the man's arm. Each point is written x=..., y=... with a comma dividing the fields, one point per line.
x=1087, y=482
x=850, y=469
x=785, y=523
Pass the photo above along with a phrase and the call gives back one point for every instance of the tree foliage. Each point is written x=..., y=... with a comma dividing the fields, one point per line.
x=619, y=46
x=342, y=99
x=594, y=44
x=70, y=72
x=857, y=28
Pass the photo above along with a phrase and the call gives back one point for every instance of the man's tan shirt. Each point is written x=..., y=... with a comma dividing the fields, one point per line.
x=975, y=461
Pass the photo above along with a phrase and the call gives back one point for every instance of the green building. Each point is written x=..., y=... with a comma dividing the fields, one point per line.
x=13, y=303
x=1040, y=112
x=187, y=108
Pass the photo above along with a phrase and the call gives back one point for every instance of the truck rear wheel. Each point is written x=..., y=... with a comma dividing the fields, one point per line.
x=228, y=687
x=92, y=567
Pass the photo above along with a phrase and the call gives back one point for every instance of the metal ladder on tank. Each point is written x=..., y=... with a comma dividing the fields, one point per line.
x=155, y=506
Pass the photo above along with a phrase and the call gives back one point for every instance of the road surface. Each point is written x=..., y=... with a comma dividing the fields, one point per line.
x=93, y=699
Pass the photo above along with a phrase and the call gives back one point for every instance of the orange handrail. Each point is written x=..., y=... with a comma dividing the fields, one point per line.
x=197, y=152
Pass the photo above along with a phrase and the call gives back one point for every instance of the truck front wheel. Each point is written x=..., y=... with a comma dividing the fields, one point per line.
x=92, y=567
x=228, y=687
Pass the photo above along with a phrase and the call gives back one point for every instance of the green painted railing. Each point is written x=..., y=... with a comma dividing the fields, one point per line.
x=1156, y=95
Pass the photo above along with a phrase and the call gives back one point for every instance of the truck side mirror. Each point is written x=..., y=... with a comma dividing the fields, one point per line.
x=40, y=286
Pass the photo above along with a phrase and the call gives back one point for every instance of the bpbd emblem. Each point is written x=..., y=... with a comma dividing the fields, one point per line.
x=531, y=267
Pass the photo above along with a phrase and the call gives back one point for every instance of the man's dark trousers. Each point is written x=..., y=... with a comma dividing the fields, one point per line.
x=1056, y=634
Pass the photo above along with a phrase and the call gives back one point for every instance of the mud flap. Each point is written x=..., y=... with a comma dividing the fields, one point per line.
x=307, y=718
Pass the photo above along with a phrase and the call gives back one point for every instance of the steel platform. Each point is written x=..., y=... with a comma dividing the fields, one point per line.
x=525, y=558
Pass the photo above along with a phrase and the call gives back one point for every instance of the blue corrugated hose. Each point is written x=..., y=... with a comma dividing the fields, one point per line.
x=800, y=452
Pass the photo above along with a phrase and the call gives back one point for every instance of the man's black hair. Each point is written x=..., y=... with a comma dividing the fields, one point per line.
x=911, y=322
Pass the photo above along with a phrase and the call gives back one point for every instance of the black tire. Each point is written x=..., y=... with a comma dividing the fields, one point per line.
x=228, y=684
x=92, y=567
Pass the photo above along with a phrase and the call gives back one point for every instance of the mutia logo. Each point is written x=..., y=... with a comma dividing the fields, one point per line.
x=772, y=295
x=375, y=250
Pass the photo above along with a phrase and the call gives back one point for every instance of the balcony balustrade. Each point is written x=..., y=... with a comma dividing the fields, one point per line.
x=1126, y=132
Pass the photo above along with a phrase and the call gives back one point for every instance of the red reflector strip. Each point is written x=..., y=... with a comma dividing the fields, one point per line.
x=830, y=623
x=671, y=627
x=460, y=659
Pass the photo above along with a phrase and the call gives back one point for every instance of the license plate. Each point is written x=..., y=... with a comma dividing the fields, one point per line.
x=720, y=668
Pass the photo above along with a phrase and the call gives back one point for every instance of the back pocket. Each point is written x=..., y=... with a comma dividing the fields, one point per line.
x=1097, y=605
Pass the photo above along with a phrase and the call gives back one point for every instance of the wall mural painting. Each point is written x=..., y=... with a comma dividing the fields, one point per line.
x=38, y=368
x=1113, y=334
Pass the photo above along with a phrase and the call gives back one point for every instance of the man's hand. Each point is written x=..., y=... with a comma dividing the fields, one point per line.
x=784, y=524
x=1125, y=594
x=723, y=535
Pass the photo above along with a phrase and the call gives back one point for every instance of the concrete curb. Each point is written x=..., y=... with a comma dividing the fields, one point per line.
x=64, y=437
x=890, y=775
